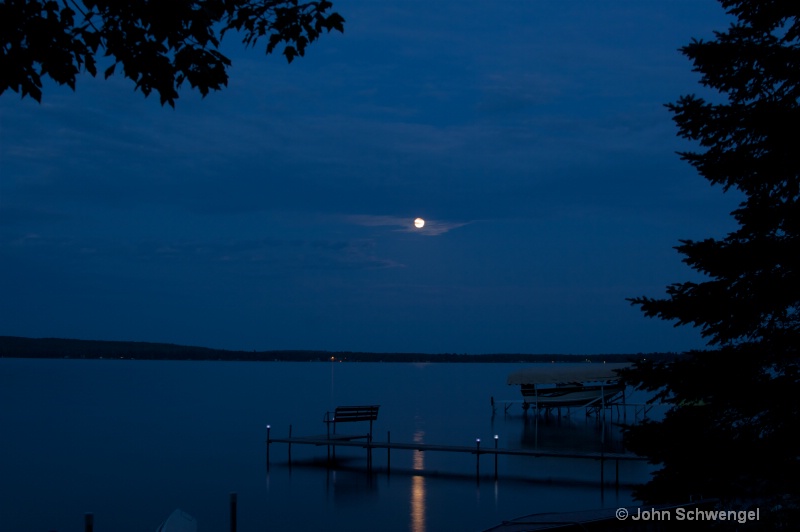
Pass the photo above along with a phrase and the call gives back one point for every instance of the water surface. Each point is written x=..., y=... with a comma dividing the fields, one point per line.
x=130, y=441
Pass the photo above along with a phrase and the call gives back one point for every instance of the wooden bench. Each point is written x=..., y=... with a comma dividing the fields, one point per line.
x=351, y=414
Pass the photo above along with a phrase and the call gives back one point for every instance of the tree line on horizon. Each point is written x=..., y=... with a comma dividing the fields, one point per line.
x=20, y=347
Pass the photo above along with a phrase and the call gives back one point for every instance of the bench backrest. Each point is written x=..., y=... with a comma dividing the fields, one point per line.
x=344, y=414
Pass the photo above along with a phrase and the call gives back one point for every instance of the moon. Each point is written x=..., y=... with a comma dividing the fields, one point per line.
x=419, y=223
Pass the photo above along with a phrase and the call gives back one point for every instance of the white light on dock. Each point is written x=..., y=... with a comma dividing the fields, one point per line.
x=496, y=437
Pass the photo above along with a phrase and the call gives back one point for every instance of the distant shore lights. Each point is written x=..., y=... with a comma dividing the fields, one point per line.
x=419, y=223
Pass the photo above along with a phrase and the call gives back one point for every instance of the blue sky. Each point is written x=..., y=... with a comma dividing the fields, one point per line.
x=278, y=213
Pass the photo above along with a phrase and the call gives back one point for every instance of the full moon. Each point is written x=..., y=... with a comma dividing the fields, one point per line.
x=419, y=223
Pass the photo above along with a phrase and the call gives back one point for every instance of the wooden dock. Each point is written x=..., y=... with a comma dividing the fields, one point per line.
x=365, y=441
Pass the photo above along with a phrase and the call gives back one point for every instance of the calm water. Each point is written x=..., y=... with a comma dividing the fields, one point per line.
x=130, y=441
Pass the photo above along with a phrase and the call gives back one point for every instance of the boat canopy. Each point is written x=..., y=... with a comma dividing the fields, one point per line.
x=569, y=372
x=178, y=521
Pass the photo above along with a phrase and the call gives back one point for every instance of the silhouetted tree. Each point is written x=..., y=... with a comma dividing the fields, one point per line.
x=157, y=44
x=732, y=429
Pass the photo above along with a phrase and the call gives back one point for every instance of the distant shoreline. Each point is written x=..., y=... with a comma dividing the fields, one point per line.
x=61, y=348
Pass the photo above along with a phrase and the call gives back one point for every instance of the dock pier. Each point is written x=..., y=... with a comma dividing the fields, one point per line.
x=368, y=444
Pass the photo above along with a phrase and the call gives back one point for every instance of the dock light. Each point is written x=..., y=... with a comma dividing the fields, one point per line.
x=477, y=440
x=268, y=426
x=496, y=437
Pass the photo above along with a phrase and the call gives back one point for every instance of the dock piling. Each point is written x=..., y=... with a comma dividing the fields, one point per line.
x=478, y=459
x=602, y=472
x=369, y=453
x=496, y=438
x=268, y=443
x=233, y=511
x=88, y=522
x=388, y=452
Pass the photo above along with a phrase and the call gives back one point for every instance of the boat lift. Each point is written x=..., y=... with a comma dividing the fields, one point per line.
x=593, y=387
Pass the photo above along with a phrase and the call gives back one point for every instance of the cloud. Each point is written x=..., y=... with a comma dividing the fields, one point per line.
x=405, y=224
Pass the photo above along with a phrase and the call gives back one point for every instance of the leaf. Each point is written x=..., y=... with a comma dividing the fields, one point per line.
x=91, y=68
x=146, y=39
x=336, y=22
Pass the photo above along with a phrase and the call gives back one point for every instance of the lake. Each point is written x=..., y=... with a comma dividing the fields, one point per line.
x=130, y=441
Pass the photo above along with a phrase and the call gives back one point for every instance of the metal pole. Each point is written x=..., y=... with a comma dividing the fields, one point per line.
x=478, y=459
x=602, y=472
x=233, y=512
x=290, y=445
x=327, y=420
x=88, y=522
x=603, y=406
x=369, y=454
x=624, y=407
x=388, y=451
x=268, y=443
x=496, y=437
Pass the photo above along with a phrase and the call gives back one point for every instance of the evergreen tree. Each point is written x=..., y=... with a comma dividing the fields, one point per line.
x=731, y=431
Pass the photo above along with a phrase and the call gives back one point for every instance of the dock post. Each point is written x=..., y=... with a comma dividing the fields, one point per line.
x=602, y=472
x=388, y=452
x=478, y=459
x=268, y=443
x=624, y=408
x=496, y=437
x=369, y=453
x=233, y=512
x=603, y=423
x=616, y=480
x=290, y=445
x=88, y=522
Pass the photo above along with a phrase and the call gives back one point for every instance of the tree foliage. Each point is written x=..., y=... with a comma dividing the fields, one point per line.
x=730, y=431
x=157, y=44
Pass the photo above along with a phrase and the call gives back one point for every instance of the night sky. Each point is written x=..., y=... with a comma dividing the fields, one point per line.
x=278, y=213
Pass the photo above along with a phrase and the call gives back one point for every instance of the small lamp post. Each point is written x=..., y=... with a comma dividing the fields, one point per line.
x=496, y=438
x=478, y=458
